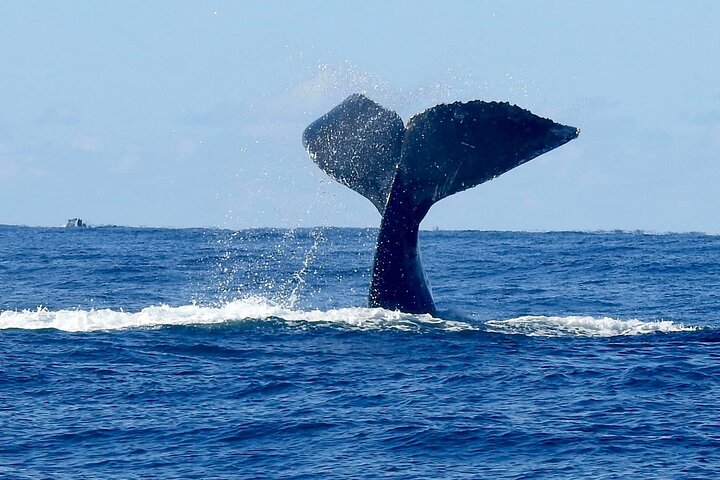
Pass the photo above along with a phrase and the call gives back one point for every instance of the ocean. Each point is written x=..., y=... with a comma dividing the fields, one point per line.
x=141, y=353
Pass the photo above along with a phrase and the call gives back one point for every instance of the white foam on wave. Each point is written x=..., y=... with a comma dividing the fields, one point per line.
x=582, y=326
x=355, y=318
x=249, y=309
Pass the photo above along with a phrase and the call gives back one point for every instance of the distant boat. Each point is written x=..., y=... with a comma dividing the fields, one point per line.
x=75, y=222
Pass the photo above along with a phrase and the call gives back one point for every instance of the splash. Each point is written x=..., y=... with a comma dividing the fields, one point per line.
x=299, y=276
x=246, y=310
x=582, y=326
x=277, y=270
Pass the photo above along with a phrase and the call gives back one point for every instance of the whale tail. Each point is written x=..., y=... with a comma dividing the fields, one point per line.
x=444, y=150
x=404, y=170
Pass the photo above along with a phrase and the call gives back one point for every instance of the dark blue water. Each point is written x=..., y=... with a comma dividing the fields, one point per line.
x=158, y=353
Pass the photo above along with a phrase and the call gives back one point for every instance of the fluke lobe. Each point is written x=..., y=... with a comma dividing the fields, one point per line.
x=404, y=170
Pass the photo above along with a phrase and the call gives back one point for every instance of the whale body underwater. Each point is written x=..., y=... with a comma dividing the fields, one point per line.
x=404, y=169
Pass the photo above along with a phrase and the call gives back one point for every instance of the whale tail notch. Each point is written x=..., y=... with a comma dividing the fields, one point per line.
x=404, y=170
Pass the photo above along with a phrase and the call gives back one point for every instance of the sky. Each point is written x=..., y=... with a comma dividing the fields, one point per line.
x=190, y=113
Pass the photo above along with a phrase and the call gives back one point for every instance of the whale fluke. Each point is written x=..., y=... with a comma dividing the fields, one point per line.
x=358, y=143
x=404, y=170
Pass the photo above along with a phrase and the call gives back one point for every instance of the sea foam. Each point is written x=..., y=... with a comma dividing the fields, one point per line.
x=249, y=309
x=582, y=326
x=353, y=318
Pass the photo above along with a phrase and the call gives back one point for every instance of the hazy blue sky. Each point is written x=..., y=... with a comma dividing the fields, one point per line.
x=190, y=113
